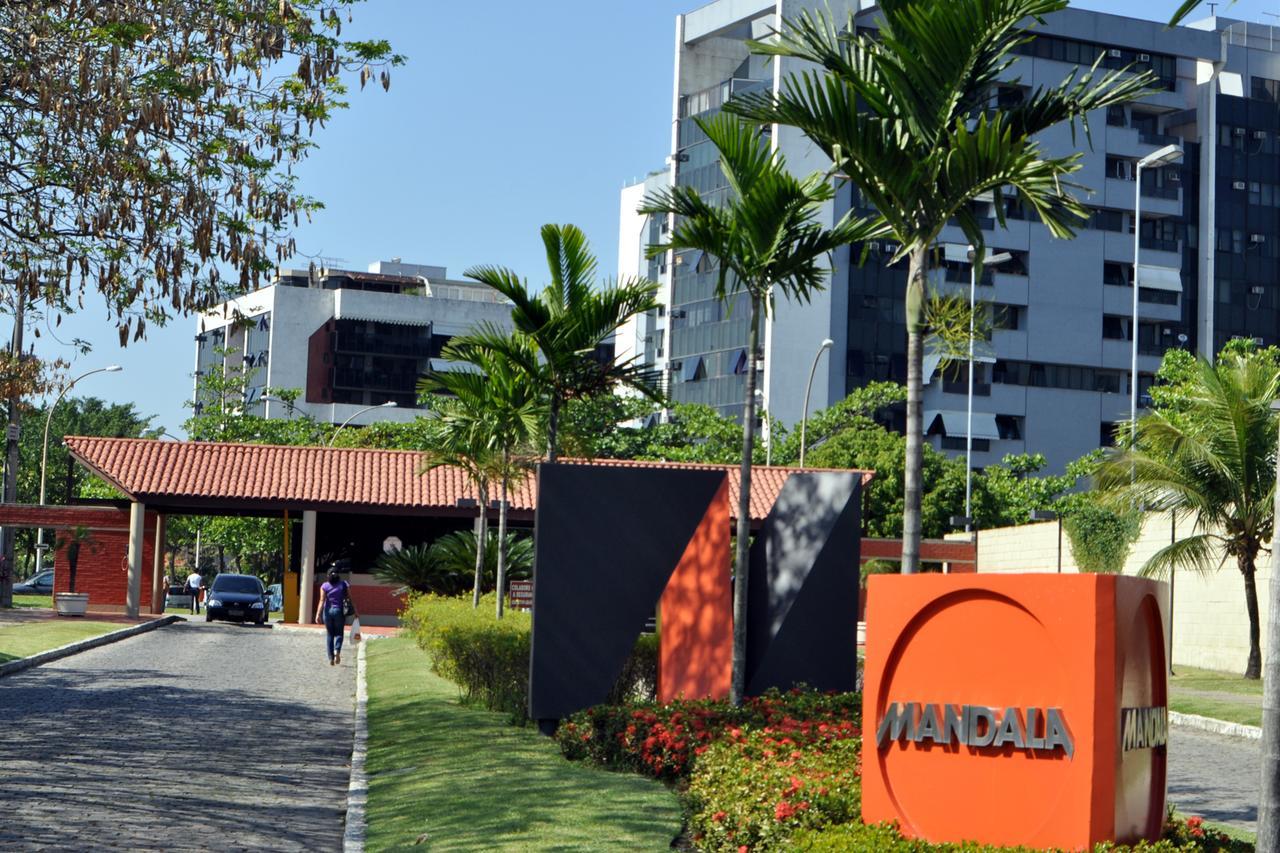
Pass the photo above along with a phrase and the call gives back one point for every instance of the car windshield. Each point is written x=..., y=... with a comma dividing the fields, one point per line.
x=236, y=583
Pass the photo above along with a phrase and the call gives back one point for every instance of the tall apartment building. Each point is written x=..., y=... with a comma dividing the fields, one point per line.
x=347, y=339
x=1054, y=378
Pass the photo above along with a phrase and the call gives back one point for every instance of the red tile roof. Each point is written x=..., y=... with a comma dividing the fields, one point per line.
x=174, y=472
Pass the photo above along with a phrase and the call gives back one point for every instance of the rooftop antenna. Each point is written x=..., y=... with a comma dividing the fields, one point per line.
x=1212, y=9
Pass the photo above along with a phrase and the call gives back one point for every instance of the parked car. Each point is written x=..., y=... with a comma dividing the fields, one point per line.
x=236, y=598
x=275, y=596
x=41, y=583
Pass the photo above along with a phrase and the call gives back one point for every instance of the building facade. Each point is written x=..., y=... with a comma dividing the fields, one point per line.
x=346, y=339
x=1054, y=378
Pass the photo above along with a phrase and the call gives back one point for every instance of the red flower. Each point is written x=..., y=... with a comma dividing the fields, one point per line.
x=783, y=810
x=719, y=816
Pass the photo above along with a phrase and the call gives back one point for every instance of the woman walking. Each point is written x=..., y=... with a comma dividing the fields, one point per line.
x=335, y=605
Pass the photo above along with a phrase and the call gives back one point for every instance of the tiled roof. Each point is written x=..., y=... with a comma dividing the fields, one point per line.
x=169, y=472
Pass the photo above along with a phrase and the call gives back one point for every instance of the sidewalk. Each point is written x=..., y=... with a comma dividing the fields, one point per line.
x=24, y=615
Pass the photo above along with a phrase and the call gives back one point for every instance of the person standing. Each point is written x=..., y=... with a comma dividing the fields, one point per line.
x=164, y=594
x=194, y=584
x=334, y=606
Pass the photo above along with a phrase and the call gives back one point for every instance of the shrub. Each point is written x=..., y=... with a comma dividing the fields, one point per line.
x=856, y=836
x=755, y=789
x=488, y=658
x=1101, y=539
x=417, y=568
x=456, y=554
x=664, y=740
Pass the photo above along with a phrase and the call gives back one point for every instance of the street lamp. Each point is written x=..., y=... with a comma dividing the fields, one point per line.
x=1160, y=157
x=804, y=417
x=390, y=404
x=1050, y=515
x=44, y=450
x=975, y=260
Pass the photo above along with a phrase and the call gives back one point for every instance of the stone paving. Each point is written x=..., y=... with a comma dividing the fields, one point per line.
x=1215, y=777
x=192, y=737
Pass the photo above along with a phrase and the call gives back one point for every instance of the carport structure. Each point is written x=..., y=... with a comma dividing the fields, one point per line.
x=371, y=492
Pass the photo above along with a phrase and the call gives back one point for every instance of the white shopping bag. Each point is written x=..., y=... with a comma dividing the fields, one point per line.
x=356, y=636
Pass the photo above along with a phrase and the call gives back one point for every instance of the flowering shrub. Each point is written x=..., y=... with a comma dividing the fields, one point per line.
x=754, y=789
x=664, y=740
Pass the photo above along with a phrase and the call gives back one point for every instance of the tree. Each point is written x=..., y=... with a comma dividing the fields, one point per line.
x=498, y=409
x=765, y=236
x=1211, y=461
x=567, y=322
x=147, y=146
x=905, y=116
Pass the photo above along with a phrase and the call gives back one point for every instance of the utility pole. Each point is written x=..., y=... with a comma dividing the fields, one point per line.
x=11, y=461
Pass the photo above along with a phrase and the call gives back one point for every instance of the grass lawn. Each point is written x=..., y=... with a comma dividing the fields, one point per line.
x=449, y=777
x=45, y=601
x=29, y=638
x=1221, y=695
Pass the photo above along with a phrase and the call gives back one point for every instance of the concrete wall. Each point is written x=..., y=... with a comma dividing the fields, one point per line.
x=1210, y=625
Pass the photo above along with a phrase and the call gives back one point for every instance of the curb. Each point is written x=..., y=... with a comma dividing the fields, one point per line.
x=358, y=789
x=1217, y=727
x=84, y=645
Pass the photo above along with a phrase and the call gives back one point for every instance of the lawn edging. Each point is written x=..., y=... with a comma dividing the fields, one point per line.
x=358, y=789
x=1217, y=727
x=69, y=649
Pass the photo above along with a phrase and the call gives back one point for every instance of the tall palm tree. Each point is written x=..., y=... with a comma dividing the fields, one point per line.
x=567, y=321
x=905, y=117
x=767, y=237
x=469, y=450
x=1213, y=461
x=499, y=407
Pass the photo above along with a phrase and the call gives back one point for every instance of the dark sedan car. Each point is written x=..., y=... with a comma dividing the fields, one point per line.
x=236, y=598
x=38, y=584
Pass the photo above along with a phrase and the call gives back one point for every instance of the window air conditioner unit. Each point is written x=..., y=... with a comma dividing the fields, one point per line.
x=1259, y=134
x=1258, y=341
x=1238, y=131
x=1144, y=57
x=1257, y=290
x=1114, y=53
x=1257, y=238
x=1237, y=185
x=1174, y=176
x=675, y=365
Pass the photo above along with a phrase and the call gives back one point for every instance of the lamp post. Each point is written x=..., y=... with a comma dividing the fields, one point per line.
x=1160, y=157
x=1050, y=515
x=975, y=260
x=44, y=450
x=804, y=417
x=390, y=404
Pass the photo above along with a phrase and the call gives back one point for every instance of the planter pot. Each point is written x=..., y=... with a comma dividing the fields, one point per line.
x=71, y=603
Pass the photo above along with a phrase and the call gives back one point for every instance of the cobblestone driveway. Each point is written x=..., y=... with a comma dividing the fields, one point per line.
x=195, y=736
x=1215, y=777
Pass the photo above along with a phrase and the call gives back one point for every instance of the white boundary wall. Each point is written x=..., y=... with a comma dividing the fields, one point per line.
x=1210, y=625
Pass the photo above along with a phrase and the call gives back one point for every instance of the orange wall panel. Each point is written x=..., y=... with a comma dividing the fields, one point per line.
x=696, y=613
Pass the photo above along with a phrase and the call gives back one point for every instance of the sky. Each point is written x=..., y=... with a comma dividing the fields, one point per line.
x=507, y=115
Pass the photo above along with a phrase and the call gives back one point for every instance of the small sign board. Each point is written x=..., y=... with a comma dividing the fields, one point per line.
x=520, y=595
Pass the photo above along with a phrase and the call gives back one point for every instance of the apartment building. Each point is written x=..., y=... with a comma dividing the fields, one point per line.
x=347, y=339
x=1055, y=376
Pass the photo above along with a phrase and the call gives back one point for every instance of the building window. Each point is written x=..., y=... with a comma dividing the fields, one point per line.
x=1107, y=434
x=1157, y=297
x=1115, y=274
x=1115, y=328
x=1009, y=427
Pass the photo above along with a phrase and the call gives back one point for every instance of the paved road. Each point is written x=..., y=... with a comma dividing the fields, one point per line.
x=122, y=747
x=1215, y=777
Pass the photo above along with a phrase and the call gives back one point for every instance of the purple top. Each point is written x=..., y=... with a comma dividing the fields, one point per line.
x=333, y=595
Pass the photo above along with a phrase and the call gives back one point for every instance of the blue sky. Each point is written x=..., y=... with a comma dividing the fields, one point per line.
x=506, y=116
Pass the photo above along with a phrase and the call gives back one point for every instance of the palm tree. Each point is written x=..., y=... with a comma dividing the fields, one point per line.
x=766, y=236
x=1213, y=461
x=566, y=323
x=469, y=450
x=905, y=117
x=499, y=409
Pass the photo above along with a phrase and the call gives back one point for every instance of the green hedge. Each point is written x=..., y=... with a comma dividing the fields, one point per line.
x=488, y=658
x=1179, y=838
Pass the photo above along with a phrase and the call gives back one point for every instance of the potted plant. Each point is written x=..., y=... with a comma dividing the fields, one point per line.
x=73, y=603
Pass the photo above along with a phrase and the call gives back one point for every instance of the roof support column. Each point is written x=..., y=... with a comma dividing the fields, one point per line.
x=308, y=583
x=157, y=566
x=133, y=594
